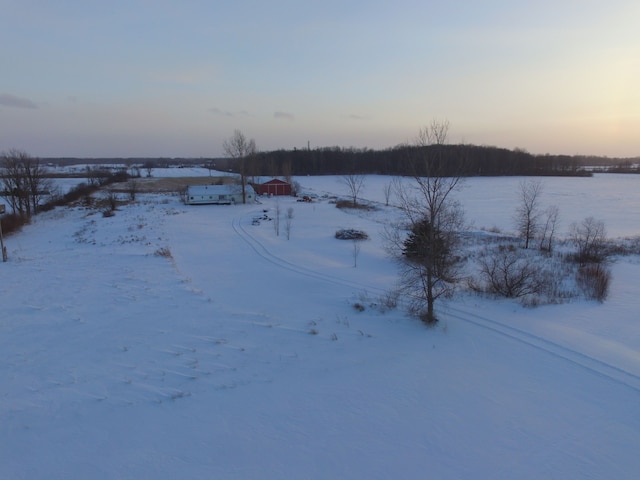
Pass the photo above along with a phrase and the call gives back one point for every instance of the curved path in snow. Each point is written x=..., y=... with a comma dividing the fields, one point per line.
x=583, y=360
x=262, y=251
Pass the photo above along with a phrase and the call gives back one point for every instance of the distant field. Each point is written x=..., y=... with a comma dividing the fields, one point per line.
x=174, y=184
x=164, y=180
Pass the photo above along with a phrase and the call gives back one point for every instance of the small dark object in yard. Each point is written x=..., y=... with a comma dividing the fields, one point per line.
x=359, y=307
x=351, y=234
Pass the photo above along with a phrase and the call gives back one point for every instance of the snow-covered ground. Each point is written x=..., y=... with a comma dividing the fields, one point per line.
x=241, y=355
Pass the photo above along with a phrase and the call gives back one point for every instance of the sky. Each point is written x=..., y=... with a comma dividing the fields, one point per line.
x=142, y=78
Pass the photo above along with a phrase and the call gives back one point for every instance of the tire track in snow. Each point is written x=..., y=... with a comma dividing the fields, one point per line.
x=265, y=254
x=588, y=362
x=583, y=360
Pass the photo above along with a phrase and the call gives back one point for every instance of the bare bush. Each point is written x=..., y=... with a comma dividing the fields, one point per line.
x=11, y=222
x=624, y=246
x=388, y=301
x=548, y=228
x=350, y=204
x=133, y=187
x=351, y=234
x=589, y=238
x=594, y=281
x=507, y=273
x=163, y=252
x=112, y=199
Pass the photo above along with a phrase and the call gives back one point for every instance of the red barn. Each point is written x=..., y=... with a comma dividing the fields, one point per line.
x=273, y=187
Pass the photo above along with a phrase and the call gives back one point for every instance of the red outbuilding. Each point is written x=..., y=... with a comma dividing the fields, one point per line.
x=273, y=187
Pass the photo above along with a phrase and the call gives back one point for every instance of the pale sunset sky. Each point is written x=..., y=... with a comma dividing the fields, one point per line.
x=164, y=78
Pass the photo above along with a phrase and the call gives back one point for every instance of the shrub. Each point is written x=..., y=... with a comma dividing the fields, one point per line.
x=350, y=204
x=351, y=234
x=12, y=222
x=163, y=252
x=510, y=273
x=389, y=301
x=112, y=199
x=594, y=280
x=589, y=239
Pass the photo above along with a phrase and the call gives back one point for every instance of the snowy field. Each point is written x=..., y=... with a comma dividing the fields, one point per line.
x=173, y=341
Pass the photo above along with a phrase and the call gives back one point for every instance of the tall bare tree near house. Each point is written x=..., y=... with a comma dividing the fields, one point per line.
x=429, y=263
x=354, y=183
x=241, y=150
x=527, y=215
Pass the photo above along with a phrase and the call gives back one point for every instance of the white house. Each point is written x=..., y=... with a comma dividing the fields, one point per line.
x=218, y=194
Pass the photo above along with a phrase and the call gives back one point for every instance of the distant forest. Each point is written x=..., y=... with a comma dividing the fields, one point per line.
x=469, y=160
x=401, y=160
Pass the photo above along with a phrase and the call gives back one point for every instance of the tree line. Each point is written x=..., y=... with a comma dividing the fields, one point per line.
x=29, y=189
x=399, y=160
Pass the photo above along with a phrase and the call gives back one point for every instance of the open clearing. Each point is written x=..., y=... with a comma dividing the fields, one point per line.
x=171, y=341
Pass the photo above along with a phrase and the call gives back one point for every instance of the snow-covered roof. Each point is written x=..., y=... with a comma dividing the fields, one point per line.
x=214, y=189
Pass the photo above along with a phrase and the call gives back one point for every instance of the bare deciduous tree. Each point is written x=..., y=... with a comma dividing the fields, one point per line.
x=388, y=188
x=132, y=189
x=429, y=264
x=589, y=238
x=527, y=215
x=549, y=227
x=149, y=165
x=356, y=251
x=354, y=183
x=24, y=181
x=288, y=221
x=92, y=177
x=112, y=199
x=276, y=219
x=15, y=188
x=241, y=150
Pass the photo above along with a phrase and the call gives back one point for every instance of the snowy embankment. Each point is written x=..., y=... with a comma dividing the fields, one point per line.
x=240, y=355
